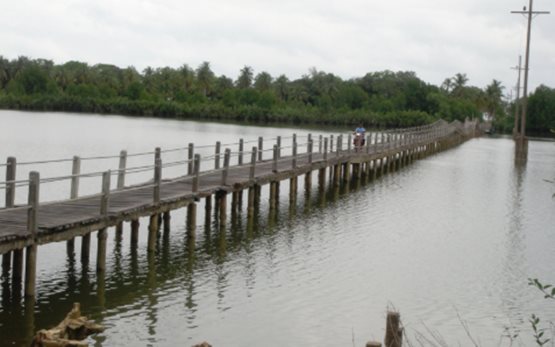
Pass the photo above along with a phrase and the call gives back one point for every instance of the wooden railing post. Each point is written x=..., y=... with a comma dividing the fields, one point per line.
x=75, y=171
x=349, y=142
x=101, y=236
x=11, y=166
x=278, y=144
x=325, y=148
x=32, y=227
x=275, y=158
x=33, y=202
x=10, y=202
x=190, y=158
x=227, y=156
x=196, y=172
x=338, y=145
x=217, y=155
x=368, y=142
x=260, y=148
x=308, y=139
x=121, y=169
x=104, y=198
x=157, y=180
x=241, y=149
x=320, y=138
x=310, y=145
x=331, y=143
x=294, y=156
x=253, y=163
x=121, y=183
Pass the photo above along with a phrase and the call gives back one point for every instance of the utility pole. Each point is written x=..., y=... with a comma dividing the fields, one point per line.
x=530, y=13
x=517, y=100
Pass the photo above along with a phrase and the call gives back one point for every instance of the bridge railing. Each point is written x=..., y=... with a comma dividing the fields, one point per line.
x=186, y=168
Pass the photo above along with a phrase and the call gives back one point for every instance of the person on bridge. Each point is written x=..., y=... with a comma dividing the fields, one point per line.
x=359, y=139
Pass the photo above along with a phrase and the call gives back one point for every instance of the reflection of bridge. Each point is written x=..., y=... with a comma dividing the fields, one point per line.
x=26, y=227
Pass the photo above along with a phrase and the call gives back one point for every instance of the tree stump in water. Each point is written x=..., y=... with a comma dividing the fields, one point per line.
x=69, y=333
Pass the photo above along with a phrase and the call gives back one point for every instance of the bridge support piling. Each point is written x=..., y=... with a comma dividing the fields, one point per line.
x=308, y=181
x=191, y=220
x=221, y=201
x=166, y=216
x=101, y=250
x=207, y=209
x=274, y=199
x=152, y=232
x=336, y=174
x=235, y=204
x=250, y=202
x=17, y=268
x=85, y=248
x=134, y=233
x=293, y=190
x=322, y=179
x=6, y=263
x=30, y=270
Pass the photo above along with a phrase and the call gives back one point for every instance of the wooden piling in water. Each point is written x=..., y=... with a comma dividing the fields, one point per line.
x=134, y=233
x=32, y=228
x=221, y=198
x=274, y=197
x=101, y=235
x=308, y=180
x=293, y=190
x=152, y=232
x=393, y=330
x=250, y=202
x=11, y=165
x=191, y=220
x=166, y=216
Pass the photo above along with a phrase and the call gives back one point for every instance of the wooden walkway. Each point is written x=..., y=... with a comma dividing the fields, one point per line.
x=26, y=227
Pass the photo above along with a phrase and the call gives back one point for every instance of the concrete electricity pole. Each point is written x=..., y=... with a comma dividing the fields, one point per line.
x=530, y=13
x=517, y=100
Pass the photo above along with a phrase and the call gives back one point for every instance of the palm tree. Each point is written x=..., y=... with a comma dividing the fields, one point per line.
x=459, y=82
x=205, y=78
x=245, y=77
x=263, y=81
x=281, y=86
x=447, y=85
x=493, y=98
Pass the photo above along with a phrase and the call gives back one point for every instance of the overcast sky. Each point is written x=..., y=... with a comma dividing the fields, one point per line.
x=434, y=38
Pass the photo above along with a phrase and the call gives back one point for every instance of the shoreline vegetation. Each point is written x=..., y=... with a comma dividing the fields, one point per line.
x=377, y=100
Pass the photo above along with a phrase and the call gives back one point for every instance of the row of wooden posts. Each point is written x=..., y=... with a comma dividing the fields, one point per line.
x=395, y=154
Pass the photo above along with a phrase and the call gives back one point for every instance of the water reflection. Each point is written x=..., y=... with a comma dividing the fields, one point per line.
x=285, y=257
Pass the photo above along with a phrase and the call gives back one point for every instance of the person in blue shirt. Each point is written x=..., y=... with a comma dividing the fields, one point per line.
x=359, y=131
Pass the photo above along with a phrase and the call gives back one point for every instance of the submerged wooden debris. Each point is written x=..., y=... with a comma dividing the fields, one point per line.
x=69, y=333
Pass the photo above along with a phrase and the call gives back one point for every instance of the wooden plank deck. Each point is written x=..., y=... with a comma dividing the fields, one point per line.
x=64, y=220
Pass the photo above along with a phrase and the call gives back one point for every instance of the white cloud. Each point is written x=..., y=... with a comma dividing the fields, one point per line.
x=434, y=38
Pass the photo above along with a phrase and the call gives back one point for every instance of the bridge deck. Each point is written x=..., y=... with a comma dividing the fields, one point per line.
x=64, y=220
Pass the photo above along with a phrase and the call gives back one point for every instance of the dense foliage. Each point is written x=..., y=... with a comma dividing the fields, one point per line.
x=377, y=99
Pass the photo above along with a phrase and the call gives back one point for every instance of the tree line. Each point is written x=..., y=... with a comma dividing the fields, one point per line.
x=378, y=99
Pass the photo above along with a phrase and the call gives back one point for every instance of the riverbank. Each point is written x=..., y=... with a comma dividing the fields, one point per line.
x=215, y=111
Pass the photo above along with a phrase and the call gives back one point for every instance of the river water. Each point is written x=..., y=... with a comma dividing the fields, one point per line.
x=448, y=241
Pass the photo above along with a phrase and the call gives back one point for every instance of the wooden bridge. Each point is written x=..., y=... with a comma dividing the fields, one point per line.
x=28, y=226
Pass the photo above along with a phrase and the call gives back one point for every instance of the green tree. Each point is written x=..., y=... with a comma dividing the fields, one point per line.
x=541, y=110
x=245, y=77
x=493, y=99
x=205, y=78
x=263, y=82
